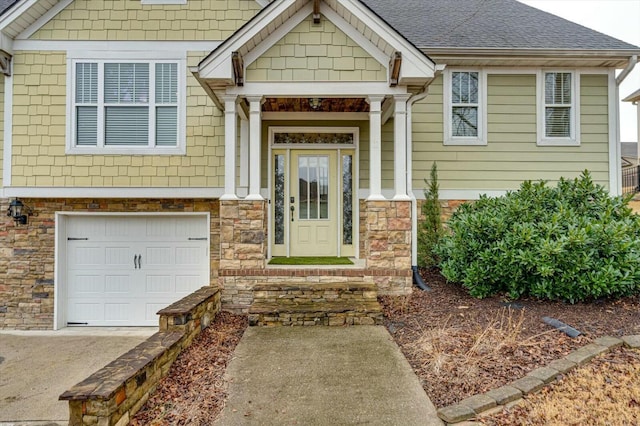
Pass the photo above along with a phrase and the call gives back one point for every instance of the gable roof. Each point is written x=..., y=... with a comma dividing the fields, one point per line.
x=496, y=24
x=479, y=24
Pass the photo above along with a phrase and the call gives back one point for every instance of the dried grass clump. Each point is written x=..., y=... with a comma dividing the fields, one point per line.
x=461, y=355
x=604, y=392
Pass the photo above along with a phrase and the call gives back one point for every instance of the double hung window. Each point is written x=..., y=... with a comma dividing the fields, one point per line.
x=128, y=105
x=464, y=105
x=559, y=125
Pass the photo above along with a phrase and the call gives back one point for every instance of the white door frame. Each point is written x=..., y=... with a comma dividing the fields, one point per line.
x=60, y=255
x=288, y=147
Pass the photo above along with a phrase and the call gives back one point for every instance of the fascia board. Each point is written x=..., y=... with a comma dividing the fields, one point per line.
x=15, y=12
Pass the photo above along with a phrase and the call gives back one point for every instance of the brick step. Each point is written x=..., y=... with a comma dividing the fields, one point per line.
x=315, y=292
x=326, y=312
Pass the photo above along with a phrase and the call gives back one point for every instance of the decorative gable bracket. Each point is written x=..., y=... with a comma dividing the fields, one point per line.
x=316, y=12
x=395, y=63
x=5, y=63
x=238, y=68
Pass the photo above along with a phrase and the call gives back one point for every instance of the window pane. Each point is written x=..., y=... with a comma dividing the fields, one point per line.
x=558, y=122
x=557, y=88
x=347, y=200
x=279, y=199
x=126, y=83
x=464, y=121
x=303, y=190
x=127, y=126
x=166, y=126
x=86, y=125
x=313, y=187
x=86, y=83
x=464, y=88
x=166, y=83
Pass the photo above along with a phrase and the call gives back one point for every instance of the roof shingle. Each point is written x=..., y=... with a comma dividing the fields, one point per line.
x=488, y=24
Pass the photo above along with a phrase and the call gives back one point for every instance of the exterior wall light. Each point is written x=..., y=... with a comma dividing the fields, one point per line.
x=18, y=212
x=315, y=103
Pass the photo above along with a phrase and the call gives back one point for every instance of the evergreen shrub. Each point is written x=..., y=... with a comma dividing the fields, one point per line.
x=572, y=242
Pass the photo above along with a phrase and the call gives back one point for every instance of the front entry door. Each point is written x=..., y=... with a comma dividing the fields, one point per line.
x=313, y=203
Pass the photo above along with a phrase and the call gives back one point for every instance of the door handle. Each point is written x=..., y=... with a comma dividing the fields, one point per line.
x=293, y=209
x=139, y=261
x=135, y=261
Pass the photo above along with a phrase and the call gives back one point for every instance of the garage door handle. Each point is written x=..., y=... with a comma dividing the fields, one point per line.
x=139, y=261
x=135, y=261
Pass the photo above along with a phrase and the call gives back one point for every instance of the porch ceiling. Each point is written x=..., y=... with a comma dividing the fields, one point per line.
x=324, y=105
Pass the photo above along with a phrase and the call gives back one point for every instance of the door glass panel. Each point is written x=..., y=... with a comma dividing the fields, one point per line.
x=279, y=199
x=313, y=187
x=323, y=187
x=347, y=200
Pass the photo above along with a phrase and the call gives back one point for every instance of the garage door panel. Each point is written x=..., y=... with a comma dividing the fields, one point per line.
x=160, y=284
x=117, y=284
x=189, y=255
x=118, y=312
x=118, y=256
x=106, y=287
x=158, y=256
x=86, y=284
x=185, y=283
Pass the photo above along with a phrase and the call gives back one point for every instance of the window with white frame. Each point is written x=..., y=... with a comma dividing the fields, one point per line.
x=126, y=104
x=464, y=105
x=558, y=113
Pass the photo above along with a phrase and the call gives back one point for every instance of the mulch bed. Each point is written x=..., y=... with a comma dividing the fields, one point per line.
x=459, y=316
x=194, y=391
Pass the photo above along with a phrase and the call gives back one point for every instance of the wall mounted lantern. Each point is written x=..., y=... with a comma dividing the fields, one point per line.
x=315, y=103
x=18, y=212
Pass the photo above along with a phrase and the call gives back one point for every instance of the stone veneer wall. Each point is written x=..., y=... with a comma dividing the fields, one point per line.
x=27, y=251
x=387, y=244
x=243, y=234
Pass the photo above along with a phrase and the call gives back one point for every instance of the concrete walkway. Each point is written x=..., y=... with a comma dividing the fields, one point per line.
x=323, y=376
x=37, y=366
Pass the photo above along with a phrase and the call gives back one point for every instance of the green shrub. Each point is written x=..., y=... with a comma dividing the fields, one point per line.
x=571, y=242
x=430, y=229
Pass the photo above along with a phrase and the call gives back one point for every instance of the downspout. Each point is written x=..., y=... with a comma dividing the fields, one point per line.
x=633, y=60
x=417, y=279
x=625, y=72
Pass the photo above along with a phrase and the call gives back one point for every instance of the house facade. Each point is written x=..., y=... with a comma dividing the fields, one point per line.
x=161, y=145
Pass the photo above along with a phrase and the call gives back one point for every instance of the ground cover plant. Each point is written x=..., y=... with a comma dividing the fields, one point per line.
x=570, y=242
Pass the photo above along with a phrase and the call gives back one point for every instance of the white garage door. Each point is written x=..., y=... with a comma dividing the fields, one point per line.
x=122, y=270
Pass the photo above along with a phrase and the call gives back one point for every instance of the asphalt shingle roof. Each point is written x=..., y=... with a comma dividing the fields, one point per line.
x=487, y=24
x=6, y=4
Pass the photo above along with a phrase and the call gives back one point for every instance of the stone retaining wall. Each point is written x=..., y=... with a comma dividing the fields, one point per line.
x=113, y=394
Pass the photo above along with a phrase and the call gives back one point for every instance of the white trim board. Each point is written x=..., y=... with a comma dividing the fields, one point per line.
x=137, y=46
x=615, y=166
x=8, y=131
x=114, y=192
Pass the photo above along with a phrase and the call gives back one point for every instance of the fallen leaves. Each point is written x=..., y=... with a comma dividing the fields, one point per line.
x=194, y=391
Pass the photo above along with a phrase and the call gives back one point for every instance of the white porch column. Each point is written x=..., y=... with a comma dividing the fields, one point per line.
x=230, y=140
x=244, y=152
x=400, y=148
x=375, y=148
x=255, y=134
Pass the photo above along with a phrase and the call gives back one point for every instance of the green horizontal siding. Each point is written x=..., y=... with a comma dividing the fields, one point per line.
x=511, y=154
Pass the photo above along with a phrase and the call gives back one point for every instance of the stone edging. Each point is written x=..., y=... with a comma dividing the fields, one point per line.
x=534, y=381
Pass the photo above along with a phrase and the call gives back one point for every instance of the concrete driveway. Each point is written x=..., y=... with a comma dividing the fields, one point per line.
x=37, y=366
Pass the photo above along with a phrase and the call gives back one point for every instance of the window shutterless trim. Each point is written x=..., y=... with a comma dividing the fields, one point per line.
x=574, y=138
x=100, y=148
x=481, y=138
